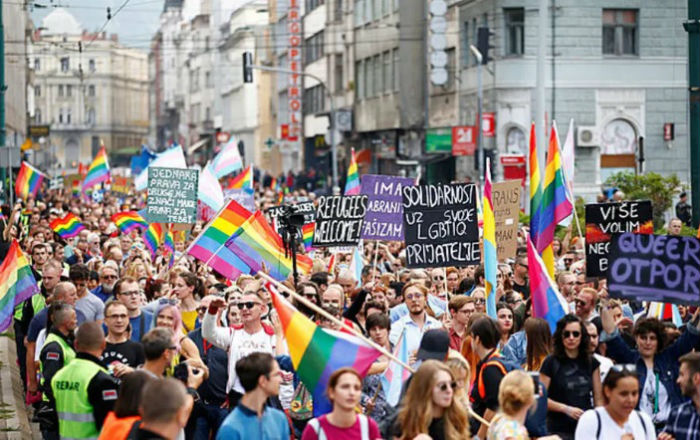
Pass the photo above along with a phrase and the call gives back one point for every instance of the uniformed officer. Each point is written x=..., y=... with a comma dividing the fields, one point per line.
x=84, y=390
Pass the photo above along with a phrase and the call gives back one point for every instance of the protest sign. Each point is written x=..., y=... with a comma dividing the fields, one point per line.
x=605, y=219
x=69, y=179
x=56, y=183
x=506, y=210
x=384, y=218
x=339, y=220
x=440, y=225
x=172, y=195
x=661, y=268
x=242, y=197
x=121, y=185
x=306, y=208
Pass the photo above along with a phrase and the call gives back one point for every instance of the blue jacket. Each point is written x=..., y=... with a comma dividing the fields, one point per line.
x=243, y=423
x=515, y=350
x=665, y=363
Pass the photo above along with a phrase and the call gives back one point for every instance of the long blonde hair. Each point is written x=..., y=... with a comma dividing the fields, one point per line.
x=417, y=412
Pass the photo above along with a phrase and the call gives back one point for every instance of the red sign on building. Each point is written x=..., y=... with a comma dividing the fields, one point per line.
x=463, y=140
x=488, y=124
x=294, y=91
x=284, y=131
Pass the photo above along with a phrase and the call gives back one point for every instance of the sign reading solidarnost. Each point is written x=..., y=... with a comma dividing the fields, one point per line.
x=242, y=196
x=384, y=219
x=605, y=219
x=660, y=268
x=172, y=195
x=506, y=210
x=339, y=220
x=440, y=225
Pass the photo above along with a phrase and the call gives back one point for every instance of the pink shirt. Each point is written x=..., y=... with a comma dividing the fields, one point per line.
x=335, y=433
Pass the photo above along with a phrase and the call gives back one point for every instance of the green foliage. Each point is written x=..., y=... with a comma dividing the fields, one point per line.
x=648, y=186
x=685, y=230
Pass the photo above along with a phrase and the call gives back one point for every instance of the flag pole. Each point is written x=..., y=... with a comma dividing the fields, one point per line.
x=571, y=195
x=374, y=265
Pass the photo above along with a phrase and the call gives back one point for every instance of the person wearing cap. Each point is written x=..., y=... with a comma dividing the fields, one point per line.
x=434, y=345
x=683, y=210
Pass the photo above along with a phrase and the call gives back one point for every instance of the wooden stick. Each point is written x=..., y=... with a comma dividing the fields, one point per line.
x=374, y=265
x=335, y=320
x=478, y=417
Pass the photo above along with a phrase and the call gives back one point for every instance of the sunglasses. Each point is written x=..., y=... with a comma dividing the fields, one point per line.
x=248, y=305
x=573, y=334
x=443, y=386
x=479, y=301
x=172, y=302
x=620, y=368
x=580, y=302
x=438, y=278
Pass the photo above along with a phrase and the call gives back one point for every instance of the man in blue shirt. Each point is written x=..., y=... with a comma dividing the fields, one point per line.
x=260, y=377
x=108, y=278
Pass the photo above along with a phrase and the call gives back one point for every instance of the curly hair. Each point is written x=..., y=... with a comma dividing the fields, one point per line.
x=651, y=325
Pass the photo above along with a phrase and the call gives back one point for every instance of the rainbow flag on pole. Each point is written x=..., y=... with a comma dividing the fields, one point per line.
x=490, y=256
x=228, y=160
x=316, y=353
x=127, y=221
x=153, y=238
x=244, y=180
x=28, y=181
x=67, y=227
x=547, y=302
x=307, y=233
x=665, y=312
x=98, y=171
x=169, y=245
x=17, y=283
x=352, y=182
x=535, y=189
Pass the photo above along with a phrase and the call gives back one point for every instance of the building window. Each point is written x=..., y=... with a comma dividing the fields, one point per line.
x=338, y=10
x=369, y=77
x=451, y=69
x=388, y=72
x=60, y=90
x=37, y=116
x=620, y=36
x=359, y=12
x=65, y=64
x=360, y=79
x=314, y=47
x=91, y=90
x=312, y=4
x=465, y=52
x=338, y=73
x=37, y=90
x=91, y=65
x=60, y=116
x=69, y=90
x=378, y=75
x=207, y=80
x=91, y=116
x=313, y=100
x=515, y=31
x=618, y=148
x=207, y=114
x=68, y=116
x=37, y=64
x=376, y=9
x=515, y=141
x=395, y=56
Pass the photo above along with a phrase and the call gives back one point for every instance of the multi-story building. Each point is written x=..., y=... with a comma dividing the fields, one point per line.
x=18, y=75
x=90, y=90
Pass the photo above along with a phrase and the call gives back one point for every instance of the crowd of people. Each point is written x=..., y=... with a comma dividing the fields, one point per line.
x=118, y=345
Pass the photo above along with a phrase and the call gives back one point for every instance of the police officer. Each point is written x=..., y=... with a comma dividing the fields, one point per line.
x=84, y=390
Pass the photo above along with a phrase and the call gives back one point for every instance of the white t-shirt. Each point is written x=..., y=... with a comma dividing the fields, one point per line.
x=649, y=395
x=587, y=427
x=243, y=344
x=605, y=364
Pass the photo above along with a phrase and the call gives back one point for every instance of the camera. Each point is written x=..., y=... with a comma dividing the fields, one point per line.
x=290, y=216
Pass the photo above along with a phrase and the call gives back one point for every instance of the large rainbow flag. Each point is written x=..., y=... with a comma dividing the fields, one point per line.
x=244, y=180
x=98, y=171
x=67, y=227
x=316, y=353
x=210, y=244
x=547, y=302
x=352, y=182
x=228, y=160
x=535, y=189
x=127, y=221
x=17, y=283
x=28, y=181
x=257, y=243
x=490, y=249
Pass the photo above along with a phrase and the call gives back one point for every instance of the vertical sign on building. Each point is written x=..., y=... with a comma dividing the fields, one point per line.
x=294, y=89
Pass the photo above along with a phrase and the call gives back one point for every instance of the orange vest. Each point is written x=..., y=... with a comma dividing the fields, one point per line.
x=115, y=428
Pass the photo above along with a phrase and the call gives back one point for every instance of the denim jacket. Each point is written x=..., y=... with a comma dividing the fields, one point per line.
x=665, y=363
x=515, y=350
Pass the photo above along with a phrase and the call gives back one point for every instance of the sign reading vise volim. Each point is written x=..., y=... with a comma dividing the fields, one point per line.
x=172, y=195
x=440, y=225
x=384, y=219
x=339, y=220
x=660, y=268
x=605, y=219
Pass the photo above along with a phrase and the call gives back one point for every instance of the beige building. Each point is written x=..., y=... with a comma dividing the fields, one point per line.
x=89, y=89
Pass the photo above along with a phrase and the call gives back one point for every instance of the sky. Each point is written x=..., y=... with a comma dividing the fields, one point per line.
x=135, y=23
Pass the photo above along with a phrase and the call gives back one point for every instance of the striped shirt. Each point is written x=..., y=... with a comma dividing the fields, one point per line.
x=684, y=422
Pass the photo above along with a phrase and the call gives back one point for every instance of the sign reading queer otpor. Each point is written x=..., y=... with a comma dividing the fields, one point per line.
x=605, y=219
x=384, y=218
x=339, y=220
x=172, y=195
x=440, y=225
x=651, y=267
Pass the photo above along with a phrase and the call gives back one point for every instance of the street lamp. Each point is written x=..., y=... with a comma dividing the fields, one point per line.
x=479, y=100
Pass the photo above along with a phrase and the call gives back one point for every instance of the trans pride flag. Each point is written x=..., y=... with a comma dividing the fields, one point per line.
x=396, y=374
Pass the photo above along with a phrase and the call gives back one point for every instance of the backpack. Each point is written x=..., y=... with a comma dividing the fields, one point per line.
x=321, y=435
x=600, y=423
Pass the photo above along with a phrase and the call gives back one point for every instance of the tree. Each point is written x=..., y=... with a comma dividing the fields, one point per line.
x=648, y=186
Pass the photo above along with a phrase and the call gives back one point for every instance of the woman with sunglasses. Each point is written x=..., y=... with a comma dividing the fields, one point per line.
x=618, y=418
x=429, y=409
x=479, y=295
x=657, y=366
x=571, y=377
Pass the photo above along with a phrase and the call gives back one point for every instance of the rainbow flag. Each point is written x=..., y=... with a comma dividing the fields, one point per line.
x=228, y=160
x=256, y=243
x=331, y=265
x=316, y=353
x=75, y=188
x=547, y=302
x=273, y=183
x=244, y=180
x=98, y=171
x=210, y=244
x=169, y=245
x=307, y=233
x=17, y=283
x=153, y=238
x=665, y=312
x=535, y=188
x=28, y=181
x=490, y=256
x=67, y=227
x=555, y=206
x=352, y=182
x=396, y=374
x=127, y=221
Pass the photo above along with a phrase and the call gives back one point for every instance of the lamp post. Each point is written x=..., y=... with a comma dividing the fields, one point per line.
x=479, y=100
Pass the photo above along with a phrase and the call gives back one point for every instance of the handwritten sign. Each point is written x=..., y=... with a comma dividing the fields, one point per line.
x=506, y=210
x=172, y=195
x=605, y=219
x=440, y=225
x=121, y=185
x=384, y=219
x=648, y=267
x=339, y=220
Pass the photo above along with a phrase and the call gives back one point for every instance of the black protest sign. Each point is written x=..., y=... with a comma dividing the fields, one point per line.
x=172, y=195
x=660, y=268
x=440, y=225
x=339, y=220
x=605, y=219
